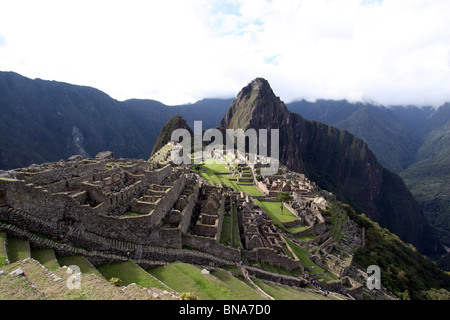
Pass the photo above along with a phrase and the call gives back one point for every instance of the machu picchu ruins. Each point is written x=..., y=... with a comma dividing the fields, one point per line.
x=154, y=213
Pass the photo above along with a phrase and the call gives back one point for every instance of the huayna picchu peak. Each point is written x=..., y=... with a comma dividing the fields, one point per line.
x=256, y=100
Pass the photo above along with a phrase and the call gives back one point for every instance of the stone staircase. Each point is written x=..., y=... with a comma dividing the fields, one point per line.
x=246, y=176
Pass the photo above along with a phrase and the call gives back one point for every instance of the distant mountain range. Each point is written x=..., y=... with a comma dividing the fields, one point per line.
x=42, y=121
x=45, y=121
x=412, y=141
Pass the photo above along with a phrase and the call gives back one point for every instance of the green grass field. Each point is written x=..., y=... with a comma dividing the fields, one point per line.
x=306, y=238
x=209, y=175
x=216, y=166
x=183, y=277
x=81, y=262
x=227, y=179
x=296, y=229
x=18, y=249
x=46, y=257
x=276, y=269
x=340, y=219
x=238, y=285
x=129, y=272
x=249, y=189
x=225, y=234
x=273, y=210
x=280, y=292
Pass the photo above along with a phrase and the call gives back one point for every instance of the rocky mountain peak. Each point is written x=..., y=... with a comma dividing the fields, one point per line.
x=261, y=85
x=176, y=122
x=258, y=88
x=255, y=104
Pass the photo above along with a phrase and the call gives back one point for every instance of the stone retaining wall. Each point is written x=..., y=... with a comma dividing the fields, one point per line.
x=61, y=207
x=51, y=175
x=151, y=255
x=270, y=256
x=211, y=246
x=278, y=278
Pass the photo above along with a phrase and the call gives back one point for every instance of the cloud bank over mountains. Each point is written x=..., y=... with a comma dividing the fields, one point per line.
x=175, y=51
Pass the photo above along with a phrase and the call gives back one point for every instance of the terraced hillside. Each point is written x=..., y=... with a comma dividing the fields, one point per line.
x=40, y=274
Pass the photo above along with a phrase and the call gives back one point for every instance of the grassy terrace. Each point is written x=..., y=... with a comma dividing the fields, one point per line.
x=276, y=269
x=303, y=255
x=306, y=238
x=339, y=221
x=209, y=173
x=18, y=249
x=238, y=284
x=129, y=272
x=183, y=277
x=2, y=249
x=280, y=292
x=81, y=262
x=272, y=209
x=46, y=257
x=230, y=230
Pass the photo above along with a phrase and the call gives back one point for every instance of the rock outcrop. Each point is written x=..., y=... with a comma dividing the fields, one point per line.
x=177, y=122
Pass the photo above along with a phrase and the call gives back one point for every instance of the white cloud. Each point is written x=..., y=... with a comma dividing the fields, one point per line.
x=176, y=51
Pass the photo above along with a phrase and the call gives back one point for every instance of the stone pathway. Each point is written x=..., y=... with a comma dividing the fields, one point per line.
x=261, y=292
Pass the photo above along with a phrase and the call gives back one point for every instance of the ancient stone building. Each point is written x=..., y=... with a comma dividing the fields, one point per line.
x=122, y=200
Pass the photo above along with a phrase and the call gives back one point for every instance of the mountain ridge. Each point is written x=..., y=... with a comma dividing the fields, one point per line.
x=409, y=140
x=32, y=131
x=45, y=121
x=335, y=159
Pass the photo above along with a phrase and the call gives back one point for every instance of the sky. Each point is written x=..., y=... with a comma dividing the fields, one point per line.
x=389, y=52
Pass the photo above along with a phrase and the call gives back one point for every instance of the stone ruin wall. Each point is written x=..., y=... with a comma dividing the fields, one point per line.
x=188, y=209
x=271, y=256
x=61, y=207
x=59, y=215
x=212, y=230
x=150, y=257
x=220, y=219
x=158, y=175
x=276, y=278
x=52, y=174
x=210, y=245
x=140, y=228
